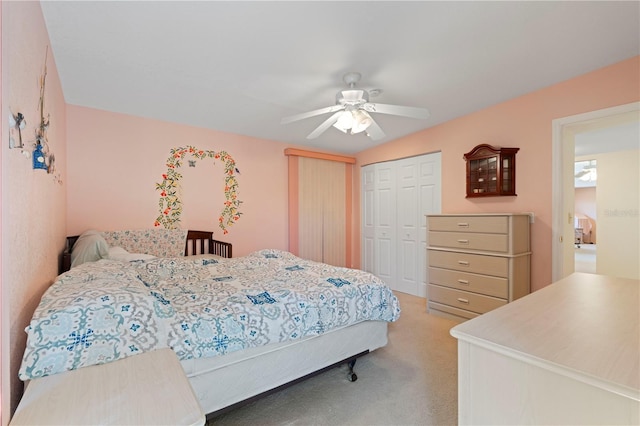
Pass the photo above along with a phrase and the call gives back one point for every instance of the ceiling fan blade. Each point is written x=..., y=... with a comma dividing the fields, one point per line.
x=324, y=126
x=302, y=116
x=581, y=173
x=405, y=111
x=374, y=131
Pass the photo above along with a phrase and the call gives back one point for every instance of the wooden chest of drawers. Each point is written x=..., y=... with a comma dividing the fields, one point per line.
x=476, y=263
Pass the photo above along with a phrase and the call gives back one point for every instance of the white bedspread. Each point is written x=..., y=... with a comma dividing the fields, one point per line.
x=103, y=311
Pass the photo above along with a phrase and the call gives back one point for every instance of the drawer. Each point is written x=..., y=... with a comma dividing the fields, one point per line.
x=484, y=224
x=483, y=284
x=474, y=263
x=450, y=312
x=470, y=241
x=463, y=299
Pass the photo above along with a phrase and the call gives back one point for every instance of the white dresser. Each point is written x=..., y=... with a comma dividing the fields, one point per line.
x=568, y=354
x=476, y=262
x=150, y=388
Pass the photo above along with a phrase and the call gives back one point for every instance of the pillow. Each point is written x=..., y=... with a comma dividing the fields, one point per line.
x=89, y=247
x=118, y=253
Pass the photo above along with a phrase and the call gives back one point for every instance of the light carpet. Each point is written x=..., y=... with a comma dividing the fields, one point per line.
x=411, y=381
x=585, y=258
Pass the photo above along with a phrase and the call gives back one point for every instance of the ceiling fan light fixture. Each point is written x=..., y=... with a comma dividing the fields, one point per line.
x=362, y=120
x=350, y=114
x=589, y=176
x=586, y=171
x=344, y=122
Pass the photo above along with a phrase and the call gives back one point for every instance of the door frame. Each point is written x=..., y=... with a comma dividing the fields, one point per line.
x=558, y=223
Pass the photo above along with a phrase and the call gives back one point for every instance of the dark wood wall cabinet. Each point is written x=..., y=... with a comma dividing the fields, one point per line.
x=491, y=171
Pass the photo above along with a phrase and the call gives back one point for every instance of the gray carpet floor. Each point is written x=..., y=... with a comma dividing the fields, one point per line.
x=411, y=381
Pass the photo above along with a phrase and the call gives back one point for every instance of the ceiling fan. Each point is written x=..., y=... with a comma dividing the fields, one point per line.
x=588, y=171
x=351, y=112
x=584, y=171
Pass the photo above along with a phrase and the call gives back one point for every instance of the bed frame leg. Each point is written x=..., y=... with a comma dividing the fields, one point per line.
x=351, y=375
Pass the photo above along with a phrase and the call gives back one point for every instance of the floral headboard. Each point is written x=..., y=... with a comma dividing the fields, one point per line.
x=158, y=242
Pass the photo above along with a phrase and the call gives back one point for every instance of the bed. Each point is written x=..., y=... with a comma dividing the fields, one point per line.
x=241, y=327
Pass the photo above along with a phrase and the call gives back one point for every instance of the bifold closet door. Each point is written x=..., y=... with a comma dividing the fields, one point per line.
x=321, y=206
x=395, y=197
x=385, y=205
x=408, y=229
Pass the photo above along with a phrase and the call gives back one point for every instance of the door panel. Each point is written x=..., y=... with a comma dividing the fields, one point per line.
x=430, y=195
x=384, y=219
x=408, y=267
x=408, y=225
x=385, y=264
x=368, y=252
x=368, y=224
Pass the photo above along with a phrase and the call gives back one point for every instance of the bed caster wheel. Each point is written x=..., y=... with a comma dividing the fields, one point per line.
x=351, y=375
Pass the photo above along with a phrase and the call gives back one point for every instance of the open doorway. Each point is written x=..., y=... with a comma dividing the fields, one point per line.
x=617, y=201
x=586, y=212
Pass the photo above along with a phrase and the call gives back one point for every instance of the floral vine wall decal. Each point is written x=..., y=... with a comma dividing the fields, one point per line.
x=170, y=203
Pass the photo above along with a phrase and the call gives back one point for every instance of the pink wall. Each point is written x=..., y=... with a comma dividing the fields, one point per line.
x=33, y=202
x=523, y=122
x=115, y=161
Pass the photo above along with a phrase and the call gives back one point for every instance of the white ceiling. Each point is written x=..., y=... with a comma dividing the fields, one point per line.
x=239, y=66
x=621, y=137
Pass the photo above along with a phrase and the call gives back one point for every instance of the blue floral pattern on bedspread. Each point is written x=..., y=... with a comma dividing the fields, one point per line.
x=107, y=310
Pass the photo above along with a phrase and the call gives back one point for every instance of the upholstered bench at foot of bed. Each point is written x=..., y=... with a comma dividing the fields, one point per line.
x=146, y=389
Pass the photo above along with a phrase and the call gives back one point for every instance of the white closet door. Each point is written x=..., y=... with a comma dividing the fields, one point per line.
x=385, y=223
x=368, y=214
x=408, y=226
x=430, y=196
x=396, y=196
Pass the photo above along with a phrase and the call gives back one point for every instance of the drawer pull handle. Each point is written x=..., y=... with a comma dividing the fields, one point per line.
x=461, y=300
x=463, y=262
x=463, y=224
x=465, y=282
x=463, y=241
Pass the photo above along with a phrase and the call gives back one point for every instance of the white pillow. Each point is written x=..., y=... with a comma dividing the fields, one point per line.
x=118, y=253
x=90, y=247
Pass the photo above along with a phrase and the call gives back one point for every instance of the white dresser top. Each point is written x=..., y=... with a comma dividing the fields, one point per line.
x=584, y=326
x=146, y=389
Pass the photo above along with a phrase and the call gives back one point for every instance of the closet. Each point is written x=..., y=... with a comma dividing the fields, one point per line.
x=396, y=195
x=320, y=206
